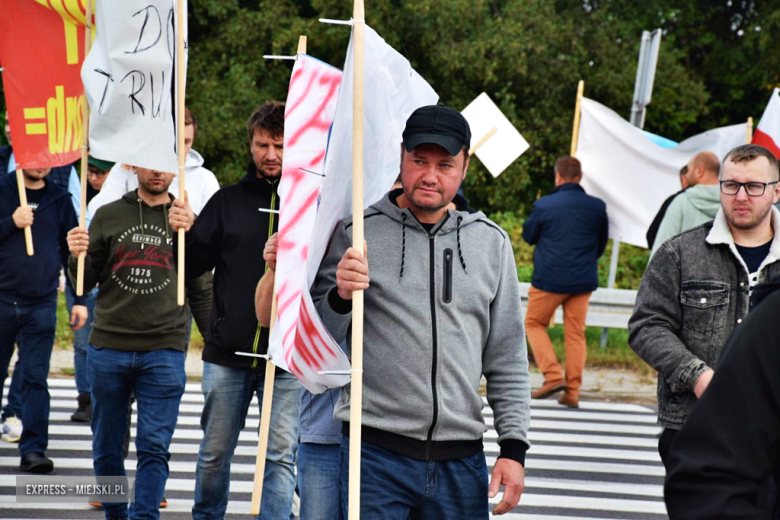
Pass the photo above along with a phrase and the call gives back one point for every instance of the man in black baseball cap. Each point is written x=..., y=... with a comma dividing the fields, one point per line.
x=441, y=311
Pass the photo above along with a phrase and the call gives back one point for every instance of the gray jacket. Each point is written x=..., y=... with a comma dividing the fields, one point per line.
x=695, y=291
x=442, y=309
x=689, y=209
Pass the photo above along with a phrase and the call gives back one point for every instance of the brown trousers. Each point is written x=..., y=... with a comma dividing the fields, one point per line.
x=541, y=307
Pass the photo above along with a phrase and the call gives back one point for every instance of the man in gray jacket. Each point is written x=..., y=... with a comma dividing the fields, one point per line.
x=696, y=205
x=442, y=309
x=697, y=287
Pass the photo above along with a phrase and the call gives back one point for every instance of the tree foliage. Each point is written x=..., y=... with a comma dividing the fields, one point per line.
x=717, y=66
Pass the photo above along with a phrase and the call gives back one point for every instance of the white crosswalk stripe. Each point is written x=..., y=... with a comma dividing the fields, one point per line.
x=598, y=462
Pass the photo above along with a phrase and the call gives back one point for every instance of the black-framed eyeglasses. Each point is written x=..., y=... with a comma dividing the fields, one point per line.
x=752, y=188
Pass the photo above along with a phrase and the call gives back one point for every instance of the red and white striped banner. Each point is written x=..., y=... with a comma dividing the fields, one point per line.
x=300, y=343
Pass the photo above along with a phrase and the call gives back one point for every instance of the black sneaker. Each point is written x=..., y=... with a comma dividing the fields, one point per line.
x=36, y=463
x=84, y=412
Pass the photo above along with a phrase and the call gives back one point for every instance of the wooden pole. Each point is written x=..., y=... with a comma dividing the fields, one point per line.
x=180, y=57
x=84, y=158
x=265, y=421
x=268, y=393
x=356, y=389
x=749, y=133
x=575, y=133
x=23, y=203
x=482, y=141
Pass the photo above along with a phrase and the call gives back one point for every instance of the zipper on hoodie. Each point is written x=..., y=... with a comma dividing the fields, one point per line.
x=447, y=293
x=435, y=348
x=270, y=233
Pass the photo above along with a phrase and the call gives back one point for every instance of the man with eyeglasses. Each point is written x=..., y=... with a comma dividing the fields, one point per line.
x=697, y=287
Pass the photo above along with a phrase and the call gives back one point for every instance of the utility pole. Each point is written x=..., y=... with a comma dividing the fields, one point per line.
x=643, y=91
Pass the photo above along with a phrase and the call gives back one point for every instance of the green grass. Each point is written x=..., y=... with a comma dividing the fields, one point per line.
x=616, y=353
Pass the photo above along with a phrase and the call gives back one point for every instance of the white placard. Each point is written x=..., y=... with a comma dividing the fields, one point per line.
x=130, y=82
x=504, y=146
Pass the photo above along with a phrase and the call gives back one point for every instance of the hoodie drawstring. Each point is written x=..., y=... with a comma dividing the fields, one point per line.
x=141, y=217
x=460, y=253
x=403, y=242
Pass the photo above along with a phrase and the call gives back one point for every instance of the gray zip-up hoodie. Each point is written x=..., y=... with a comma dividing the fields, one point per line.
x=442, y=309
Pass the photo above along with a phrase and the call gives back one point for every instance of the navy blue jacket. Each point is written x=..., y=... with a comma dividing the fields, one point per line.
x=569, y=229
x=30, y=279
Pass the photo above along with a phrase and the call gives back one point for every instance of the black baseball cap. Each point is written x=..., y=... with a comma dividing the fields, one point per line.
x=437, y=124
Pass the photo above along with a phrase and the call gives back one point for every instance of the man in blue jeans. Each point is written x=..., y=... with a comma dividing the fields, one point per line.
x=137, y=339
x=442, y=309
x=229, y=237
x=28, y=304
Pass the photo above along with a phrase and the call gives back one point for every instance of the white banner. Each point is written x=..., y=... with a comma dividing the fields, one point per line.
x=633, y=175
x=130, y=82
x=393, y=90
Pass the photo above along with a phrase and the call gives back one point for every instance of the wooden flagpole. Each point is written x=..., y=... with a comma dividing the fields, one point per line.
x=84, y=157
x=23, y=203
x=575, y=133
x=180, y=93
x=482, y=141
x=749, y=133
x=268, y=392
x=356, y=386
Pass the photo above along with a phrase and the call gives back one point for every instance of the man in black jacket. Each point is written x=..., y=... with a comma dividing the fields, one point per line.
x=722, y=460
x=229, y=236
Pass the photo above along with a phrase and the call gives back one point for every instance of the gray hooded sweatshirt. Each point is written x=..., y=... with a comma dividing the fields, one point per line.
x=442, y=309
x=693, y=207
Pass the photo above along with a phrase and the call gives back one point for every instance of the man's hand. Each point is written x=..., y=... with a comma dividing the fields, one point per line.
x=352, y=273
x=269, y=251
x=511, y=474
x=23, y=216
x=703, y=382
x=78, y=316
x=181, y=215
x=78, y=241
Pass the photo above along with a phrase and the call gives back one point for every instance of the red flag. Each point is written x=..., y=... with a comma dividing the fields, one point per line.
x=768, y=132
x=42, y=49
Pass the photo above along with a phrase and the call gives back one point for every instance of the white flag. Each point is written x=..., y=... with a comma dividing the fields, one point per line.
x=130, y=81
x=633, y=175
x=393, y=90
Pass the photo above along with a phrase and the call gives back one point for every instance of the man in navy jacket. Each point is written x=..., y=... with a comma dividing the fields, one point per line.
x=569, y=229
x=28, y=297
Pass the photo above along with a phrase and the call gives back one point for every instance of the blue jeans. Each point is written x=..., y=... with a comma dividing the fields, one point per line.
x=228, y=392
x=13, y=407
x=394, y=487
x=32, y=327
x=81, y=340
x=157, y=378
x=318, y=481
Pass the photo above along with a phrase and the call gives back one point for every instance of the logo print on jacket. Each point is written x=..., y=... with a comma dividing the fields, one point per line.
x=141, y=264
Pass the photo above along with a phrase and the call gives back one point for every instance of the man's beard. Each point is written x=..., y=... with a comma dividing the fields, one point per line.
x=750, y=224
x=155, y=189
x=270, y=176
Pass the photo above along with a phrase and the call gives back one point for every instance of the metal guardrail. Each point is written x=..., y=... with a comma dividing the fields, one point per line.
x=610, y=308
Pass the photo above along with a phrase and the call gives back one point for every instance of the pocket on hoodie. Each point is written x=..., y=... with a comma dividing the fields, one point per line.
x=705, y=305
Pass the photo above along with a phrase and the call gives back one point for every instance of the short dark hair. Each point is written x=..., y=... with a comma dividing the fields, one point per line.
x=684, y=171
x=269, y=117
x=568, y=168
x=750, y=152
x=189, y=119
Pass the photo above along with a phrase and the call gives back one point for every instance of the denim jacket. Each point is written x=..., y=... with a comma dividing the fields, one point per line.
x=694, y=293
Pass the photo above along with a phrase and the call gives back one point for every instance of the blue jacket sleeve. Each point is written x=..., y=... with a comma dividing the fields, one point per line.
x=603, y=234
x=532, y=227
